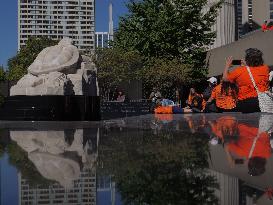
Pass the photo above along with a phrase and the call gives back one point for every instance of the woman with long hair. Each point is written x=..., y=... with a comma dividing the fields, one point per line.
x=194, y=101
x=225, y=97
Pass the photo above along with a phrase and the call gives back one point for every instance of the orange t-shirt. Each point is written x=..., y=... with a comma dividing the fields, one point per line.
x=244, y=144
x=222, y=100
x=190, y=99
x=226, y=123
x=241, y=77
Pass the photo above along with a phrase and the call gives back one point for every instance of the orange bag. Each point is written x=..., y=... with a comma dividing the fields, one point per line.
x=164, y=110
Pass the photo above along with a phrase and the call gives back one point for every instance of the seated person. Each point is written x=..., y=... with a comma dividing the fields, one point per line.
x=207, y=92
x=120, y=97
x=247, y=96
x=196, y=104
x=155, y=94
x=225, y=96
x=192, y=95
x=166, y=106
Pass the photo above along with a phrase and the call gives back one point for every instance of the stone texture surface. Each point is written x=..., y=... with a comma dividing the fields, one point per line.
x=62, y=57
x=59, y=70
x=53, y=83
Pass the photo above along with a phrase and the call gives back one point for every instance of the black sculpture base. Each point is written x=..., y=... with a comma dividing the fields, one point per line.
x=112, y=110
x=51, y=108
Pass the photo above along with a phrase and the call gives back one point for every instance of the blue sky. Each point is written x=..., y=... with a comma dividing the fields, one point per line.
x=8, y=23
x=8, y=182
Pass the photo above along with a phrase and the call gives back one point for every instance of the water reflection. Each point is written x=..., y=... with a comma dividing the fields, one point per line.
x=244, y=143
x=158, y=169
x=161, y=159
x=62, y=161
x=241, y=147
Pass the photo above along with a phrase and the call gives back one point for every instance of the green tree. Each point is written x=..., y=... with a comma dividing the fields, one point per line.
x=17, y=65
x=116, y=66
x=168, y=75
x=19, y=158
x=172, y=36
x=168, y=28
x=2, y=74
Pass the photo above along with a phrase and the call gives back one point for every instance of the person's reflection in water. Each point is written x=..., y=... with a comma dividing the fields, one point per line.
x=196, y=124
x=225, y=128
x=243, y=144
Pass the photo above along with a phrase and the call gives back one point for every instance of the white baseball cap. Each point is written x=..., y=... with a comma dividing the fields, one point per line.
x=213, y=141
x=212, y=80
x=271, y=76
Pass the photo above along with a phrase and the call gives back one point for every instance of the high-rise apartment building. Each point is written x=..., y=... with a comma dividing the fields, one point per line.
x=83, y=192
x=262, y=10
x=57, y=19
x=244, y=18
x=102, y=38
x=225, y=23
x=251, y=14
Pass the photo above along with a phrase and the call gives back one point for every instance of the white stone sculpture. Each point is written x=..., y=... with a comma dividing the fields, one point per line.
x=62, y=57
x=59, y=70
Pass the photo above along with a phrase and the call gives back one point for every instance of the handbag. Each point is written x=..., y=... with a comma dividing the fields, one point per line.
x=265, y=101
x=266, y=123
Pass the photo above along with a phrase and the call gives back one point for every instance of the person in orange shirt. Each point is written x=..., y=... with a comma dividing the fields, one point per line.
x=225, y=128
x=192, y=94
x=264, y=26
x=194, y=101
x=225, y=96
x=247, y=95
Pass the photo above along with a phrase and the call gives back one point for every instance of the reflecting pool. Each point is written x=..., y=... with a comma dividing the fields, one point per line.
x=162, y=159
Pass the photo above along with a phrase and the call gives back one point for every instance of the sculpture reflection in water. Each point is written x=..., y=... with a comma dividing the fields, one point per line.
x=64, y=159
x=166, y=168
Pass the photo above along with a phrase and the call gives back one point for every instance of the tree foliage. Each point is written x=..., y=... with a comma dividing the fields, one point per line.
x=170, y=37
x=19, y=158
x=168, y=75
x=116, y=66
x=168, y=168
x=2, y=74
x=168, y=28
x=17, y=65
